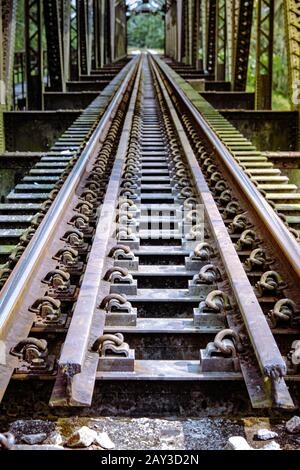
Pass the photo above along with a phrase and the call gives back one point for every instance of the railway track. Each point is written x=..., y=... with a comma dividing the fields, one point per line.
x=156, y=271
x=27, y=204
x=275, y=187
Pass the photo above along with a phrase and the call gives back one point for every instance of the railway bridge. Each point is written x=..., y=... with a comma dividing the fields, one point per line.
x=149, y=208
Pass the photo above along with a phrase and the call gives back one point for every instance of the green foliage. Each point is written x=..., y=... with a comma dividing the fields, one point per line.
x=146, y=31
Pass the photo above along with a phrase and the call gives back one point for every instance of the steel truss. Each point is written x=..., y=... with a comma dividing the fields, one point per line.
x=242, y=46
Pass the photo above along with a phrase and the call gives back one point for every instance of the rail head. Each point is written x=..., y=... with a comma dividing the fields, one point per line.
x=18, y=282
x=274, y=225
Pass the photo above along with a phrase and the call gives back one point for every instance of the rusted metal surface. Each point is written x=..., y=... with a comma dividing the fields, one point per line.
x=277, y=230
x=24, y=286
x=266, y=350
x=77, y=365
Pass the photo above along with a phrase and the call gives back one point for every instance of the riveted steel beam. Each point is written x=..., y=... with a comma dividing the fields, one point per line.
x=168, y=31
x=112, y=16
x=184, y=39
x=82, y=20
x=191, y=30
x=196, y=32
x=230, y=31
x=74, y=58
x=178, y=28
x=203, y=34
x=90, y=32
x=34, y=54
x=2, y=97
x=65, y=21
x=174, y=29
x=292, y=22
x=188, y=22
x=242, y=44
x=7, y=37
x=107, y=32
x=211, y=36
x=264, y=54
x=97, y=34
x=54, y=45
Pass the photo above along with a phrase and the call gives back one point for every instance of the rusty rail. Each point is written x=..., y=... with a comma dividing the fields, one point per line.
x=12, y=328
x=78, y=367
x=266, y=350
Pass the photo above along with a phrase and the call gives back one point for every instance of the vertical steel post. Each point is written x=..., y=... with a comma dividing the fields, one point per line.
x=120, y=29
x=211, y=37
x=221, y=40
x=34, y=54
x=292, y=22
x=97, y=34
x=7, y=50
x=8, y=17
x=102, y=32
x=203, y=33
x=90, y=33
x=54, y=45
x=242, y=44
x=230, y=38
x=82, y=36
x=65, y=17
x=112, y=29
x=107, y=31
x=196, y=33
x=2, y=87
x=191, y=23
x=184, y=32
x=179, y=28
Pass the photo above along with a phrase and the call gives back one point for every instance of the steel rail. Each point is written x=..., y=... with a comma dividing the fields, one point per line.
x=266, y=350
x=19, y=280
x=279, y=232
x=78, y=367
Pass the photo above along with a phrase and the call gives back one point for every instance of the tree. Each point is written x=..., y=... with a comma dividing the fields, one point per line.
x=146, y=31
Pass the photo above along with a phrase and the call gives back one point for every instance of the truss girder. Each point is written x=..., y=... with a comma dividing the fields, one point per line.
x=264, y=53
x=242, y=44
x=34, y=54
x=211, y=36
x=54, y=45
x=221, y=40
x=292, y=21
